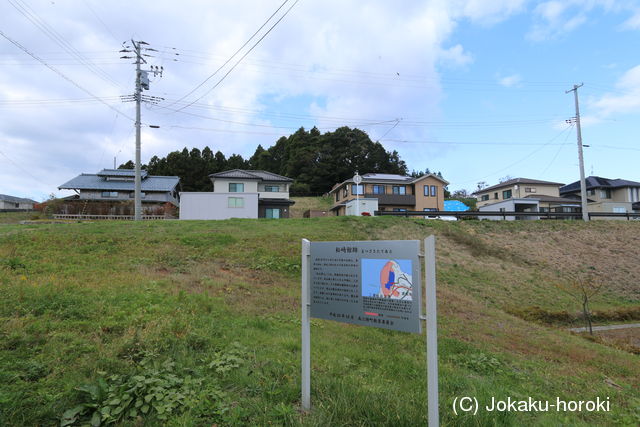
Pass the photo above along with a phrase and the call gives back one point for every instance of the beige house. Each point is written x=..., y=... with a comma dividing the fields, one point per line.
x=525, y=195
x=607, y=195
x=393, y=192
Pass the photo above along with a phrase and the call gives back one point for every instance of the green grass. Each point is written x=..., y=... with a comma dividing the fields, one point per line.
x=93, y=315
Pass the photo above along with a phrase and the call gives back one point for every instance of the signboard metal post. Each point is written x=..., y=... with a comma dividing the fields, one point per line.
x=306, y=326
x=432, y=331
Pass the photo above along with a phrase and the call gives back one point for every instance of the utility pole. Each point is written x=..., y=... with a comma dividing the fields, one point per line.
x=142, y=82
x=583, y=182
x=138, y=95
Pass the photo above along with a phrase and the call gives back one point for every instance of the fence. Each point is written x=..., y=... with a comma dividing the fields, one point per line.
x=505, y=214
x=111, y=217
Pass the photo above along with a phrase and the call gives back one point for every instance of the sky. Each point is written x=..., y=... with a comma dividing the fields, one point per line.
x=474, y=89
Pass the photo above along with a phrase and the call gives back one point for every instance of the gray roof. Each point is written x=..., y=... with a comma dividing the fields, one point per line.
x=122, y=173
x=517, y=181
x=388, y=178
x=250, y=174
x=599, y=182
x=553, y=199
x=151, y=183
x=13, y=199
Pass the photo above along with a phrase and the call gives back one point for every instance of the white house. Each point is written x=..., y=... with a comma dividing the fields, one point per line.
x=239, y=193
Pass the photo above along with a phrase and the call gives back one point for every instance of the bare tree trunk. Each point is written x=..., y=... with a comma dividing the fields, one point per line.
x=586, y=313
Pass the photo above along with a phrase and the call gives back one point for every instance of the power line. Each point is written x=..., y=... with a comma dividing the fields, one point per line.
x=22, y=169
x=55, y=70
x=243, y=56
x=39, y=23
x=518, y=161
x=86, y=3
x=235, y=53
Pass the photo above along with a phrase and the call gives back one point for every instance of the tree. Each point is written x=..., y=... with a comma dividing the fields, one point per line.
x=583, y=287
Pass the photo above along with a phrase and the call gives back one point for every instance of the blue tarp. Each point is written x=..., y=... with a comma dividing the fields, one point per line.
x=455, y=206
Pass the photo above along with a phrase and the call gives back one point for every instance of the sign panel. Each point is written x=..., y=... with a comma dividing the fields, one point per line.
x=371, y=283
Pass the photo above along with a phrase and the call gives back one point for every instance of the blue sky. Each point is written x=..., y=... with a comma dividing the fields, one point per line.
x=474, y=89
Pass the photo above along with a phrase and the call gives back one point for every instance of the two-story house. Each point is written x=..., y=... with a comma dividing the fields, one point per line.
x=607, y=195
x=392, y=192
x=239, y=193
x=114, y=186
x=525, y=195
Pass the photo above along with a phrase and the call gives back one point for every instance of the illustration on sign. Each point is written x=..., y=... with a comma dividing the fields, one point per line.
x=387, y=279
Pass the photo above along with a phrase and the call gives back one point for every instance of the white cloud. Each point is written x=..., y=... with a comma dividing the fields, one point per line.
x=510, y=81
x=373, y=60
x=633, y=23
x=625, y=100
x=555, y=18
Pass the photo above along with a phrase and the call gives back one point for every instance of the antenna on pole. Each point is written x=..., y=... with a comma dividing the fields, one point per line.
x=142, y=82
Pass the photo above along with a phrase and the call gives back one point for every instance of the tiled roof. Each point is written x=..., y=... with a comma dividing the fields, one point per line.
x=122, y=173
x=251, y=174
x=387, y=178
x=599, y=182
x=514, y=181
x=13, y=199
x=552, y=199
x=87, y=181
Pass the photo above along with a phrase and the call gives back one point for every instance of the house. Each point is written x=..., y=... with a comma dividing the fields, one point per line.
x=12, y=203
x=391, y=193
x=239, y=193
x=524, y=195
x=607, y=195
x=113, y=188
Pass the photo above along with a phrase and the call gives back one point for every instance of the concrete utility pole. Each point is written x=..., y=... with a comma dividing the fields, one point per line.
x=138, y=95
x=583, y=182
x=142, y=82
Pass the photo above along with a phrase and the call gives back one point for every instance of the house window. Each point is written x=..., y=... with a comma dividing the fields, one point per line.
x=399, y=210
x=377, y=189
x=430, y=209
x=495, y=196
x=484, y=197
x=399, y=189
x=345, y=192
x=272, y=213
x=591, y=192
x=337, y=196
x=605, y=193
x=133, y=195
x=235, y=202
x=506, y=194
x=357, y=189
x=543, y=209
x=109, y=194
x=235, y=187
x=17, y=205
x=434, y=191
x=619, y=209
x=530, y=189
x=271, y=188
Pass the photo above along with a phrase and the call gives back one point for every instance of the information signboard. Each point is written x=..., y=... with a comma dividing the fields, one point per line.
x=371, y=283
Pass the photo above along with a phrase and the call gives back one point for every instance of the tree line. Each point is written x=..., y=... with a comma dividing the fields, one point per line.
x=315, y=161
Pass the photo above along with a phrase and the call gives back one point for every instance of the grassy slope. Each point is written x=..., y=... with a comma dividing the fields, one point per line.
x=86, y=300
x=305, y=203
